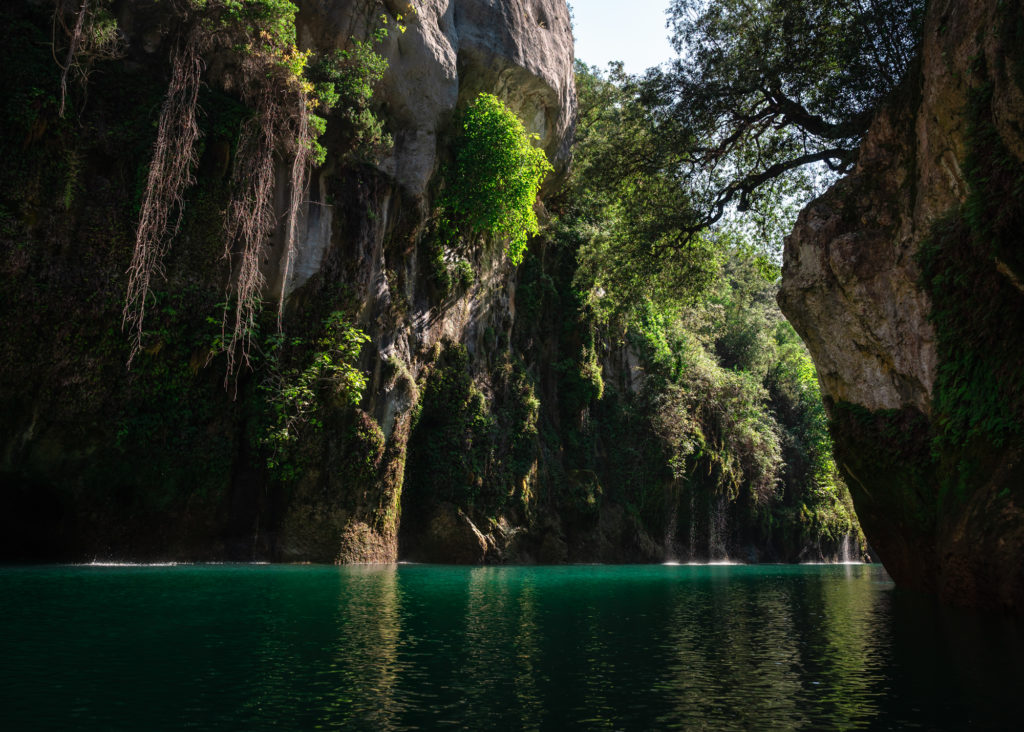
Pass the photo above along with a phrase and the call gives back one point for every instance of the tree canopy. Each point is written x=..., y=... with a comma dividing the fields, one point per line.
x=763, y=88
x=626, y=201
x=724, y=401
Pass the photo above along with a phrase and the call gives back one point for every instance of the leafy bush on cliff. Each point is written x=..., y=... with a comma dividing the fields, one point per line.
x=302, y=379
x=497, y=174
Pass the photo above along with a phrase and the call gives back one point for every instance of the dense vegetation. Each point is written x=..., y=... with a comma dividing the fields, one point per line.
x=105, y=158
x=722, y=409
x=645, y=401
x=652, y=401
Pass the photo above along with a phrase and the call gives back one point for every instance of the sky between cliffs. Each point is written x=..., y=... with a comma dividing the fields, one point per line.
x=611, y=30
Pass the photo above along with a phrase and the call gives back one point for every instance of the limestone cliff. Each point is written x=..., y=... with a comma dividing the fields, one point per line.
x=905, y=280
x=501, y=421
x=520, y=50
x=159, y=460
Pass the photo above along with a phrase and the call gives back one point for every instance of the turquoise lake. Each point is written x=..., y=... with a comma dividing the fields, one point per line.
x=415, y=646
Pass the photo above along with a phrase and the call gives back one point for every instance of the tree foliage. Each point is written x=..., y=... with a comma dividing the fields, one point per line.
x=497, y=175
x=625, y=202
x=727, y=405
x=765, y=88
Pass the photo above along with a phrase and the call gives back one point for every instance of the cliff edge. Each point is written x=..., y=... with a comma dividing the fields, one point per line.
x=905, y=281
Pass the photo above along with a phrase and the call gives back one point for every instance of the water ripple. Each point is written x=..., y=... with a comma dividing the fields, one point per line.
x=414, y=646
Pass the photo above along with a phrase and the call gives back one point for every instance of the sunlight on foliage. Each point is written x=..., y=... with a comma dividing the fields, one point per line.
x=298, y=387
x=497, y=174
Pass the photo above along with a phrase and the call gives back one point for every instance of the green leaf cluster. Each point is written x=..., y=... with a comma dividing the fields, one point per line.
x=497, y=174
x=267, y=22
x=340, y=81
x=343, y=82
x=302, y=378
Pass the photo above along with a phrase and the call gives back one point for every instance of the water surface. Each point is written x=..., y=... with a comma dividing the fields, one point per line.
x=596, y=647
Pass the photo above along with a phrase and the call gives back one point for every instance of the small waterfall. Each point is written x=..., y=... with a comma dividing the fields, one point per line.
x=846, y=550
x=693, y=528
x=717, y=530
x=670, y=531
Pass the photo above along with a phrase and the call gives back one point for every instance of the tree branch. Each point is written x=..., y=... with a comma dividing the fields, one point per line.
x=742, y=189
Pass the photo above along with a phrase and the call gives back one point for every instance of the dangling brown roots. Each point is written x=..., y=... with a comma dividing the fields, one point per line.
x=250, y=222
x=280, y=126
x=299, y=179
x=74, y=45
x=88, y=39
x=170, y=173
x=267, y=71
x=282, y=119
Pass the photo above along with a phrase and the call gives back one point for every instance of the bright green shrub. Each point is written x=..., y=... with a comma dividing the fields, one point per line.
x=497, y=174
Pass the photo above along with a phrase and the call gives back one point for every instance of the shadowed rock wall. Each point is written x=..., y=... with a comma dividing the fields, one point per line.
x=161, y=461
x=904, y=281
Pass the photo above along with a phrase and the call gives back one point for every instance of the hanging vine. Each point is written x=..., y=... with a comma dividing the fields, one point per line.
x=92, y=35
x=272, y=84
x=170, y=173
x=270, y=75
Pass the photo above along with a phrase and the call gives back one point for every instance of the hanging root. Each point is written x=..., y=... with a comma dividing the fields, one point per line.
x=92, y=36
x=299, y=179
x=170, y=173
x=74, y=46
x=249, y=225
x=281, y=126
x=268, y=84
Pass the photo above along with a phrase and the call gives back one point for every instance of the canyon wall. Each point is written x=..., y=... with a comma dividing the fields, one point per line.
x=904, y=279
x=499, y=421
x=160, y=459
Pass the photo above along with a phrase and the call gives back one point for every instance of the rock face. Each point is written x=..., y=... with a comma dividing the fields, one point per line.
x=364, y=241
x=519, y=50
x=904, y=281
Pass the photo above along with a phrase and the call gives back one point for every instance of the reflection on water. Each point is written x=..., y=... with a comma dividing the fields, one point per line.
x=723, y=647
x=362, y=677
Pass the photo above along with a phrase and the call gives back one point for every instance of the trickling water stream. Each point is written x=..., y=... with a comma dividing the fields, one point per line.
x=718, y=524
x=846, y=552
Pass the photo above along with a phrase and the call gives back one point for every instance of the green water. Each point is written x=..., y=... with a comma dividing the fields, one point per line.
x=636, y=647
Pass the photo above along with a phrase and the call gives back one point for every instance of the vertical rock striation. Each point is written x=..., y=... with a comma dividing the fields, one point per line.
x=519, y=50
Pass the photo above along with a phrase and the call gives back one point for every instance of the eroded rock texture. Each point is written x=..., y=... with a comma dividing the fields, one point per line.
x=161, y=460
x=519, y=50
x=904, y=280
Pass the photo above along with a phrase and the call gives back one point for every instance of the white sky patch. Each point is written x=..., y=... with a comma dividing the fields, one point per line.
x=611, y=30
